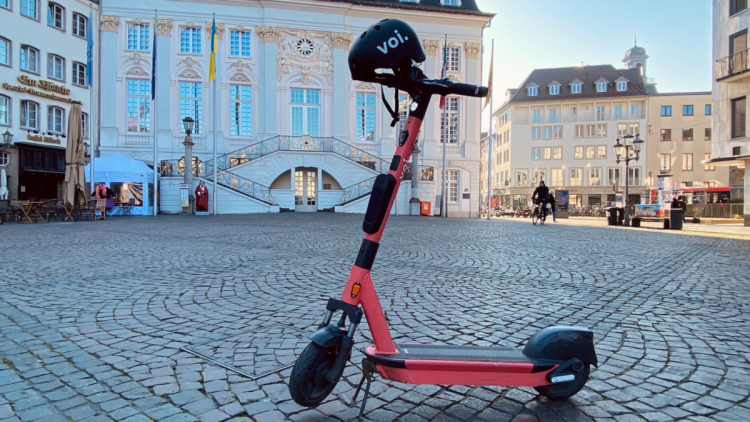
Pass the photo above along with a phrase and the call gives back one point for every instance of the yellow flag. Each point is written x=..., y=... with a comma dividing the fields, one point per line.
x=489, y=83
x=212, y=62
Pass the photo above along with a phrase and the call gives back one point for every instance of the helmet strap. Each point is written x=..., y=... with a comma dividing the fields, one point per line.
x=393, y=113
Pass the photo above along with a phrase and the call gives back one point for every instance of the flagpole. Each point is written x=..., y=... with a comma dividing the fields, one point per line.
x=213, y=94
x=443, y=199
x=92, y=111
x=489, y=140
x=155, y=122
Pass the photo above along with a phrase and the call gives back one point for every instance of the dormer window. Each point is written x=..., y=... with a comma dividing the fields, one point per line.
x=622, y=86
x=601, y=87
x=575, y=88
x=554, y=88
x=451, y=2
x=409, y=1
x=533, y=91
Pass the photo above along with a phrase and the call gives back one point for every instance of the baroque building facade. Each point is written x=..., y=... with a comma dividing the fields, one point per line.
x=293, y=130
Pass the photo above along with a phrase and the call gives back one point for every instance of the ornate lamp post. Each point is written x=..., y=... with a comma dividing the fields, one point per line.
x=7, y=138
x=622, y=153
x=187, y=124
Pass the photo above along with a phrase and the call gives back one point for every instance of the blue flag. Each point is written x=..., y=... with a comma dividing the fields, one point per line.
x=89, y=52
x=153, y=66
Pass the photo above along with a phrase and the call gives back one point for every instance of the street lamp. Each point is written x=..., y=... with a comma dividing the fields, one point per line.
x=86, y=147
x=187, y=124
x=7, y=138
x=622, y=153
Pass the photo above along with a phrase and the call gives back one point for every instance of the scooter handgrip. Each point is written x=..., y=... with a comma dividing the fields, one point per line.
x=469, y=90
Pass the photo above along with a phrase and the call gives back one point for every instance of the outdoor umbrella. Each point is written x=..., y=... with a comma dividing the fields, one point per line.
x=3, y=184
x=74, y=177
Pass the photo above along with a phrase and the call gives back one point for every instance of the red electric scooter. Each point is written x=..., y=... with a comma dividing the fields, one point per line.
x=556, y=361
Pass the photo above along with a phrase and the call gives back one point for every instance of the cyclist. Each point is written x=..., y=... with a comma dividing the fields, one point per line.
x=540, y=198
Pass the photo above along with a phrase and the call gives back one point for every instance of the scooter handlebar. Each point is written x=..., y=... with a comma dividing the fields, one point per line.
x=468, y=90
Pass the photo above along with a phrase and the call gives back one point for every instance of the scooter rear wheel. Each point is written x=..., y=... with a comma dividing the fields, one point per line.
x=566, y=390
x=308, y=385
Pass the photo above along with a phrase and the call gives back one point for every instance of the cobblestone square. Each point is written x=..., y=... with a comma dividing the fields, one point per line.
x=95, y=317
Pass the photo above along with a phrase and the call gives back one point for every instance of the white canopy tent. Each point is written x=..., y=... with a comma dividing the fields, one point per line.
x=121, y=169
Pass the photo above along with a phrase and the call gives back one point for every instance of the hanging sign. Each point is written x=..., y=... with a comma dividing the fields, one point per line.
x=184, y=201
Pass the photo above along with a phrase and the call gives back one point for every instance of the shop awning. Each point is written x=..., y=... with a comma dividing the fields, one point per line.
x=735, y=160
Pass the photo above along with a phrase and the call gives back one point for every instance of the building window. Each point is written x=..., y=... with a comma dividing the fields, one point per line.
x=601, y=151
x=449, y=116
x=552, y=115
x=536, y=133
x=139, y=105
x=601, y=87
x=29, y=59
x=579, y=131
x=190, y=40
x=3, y=159
x=453, y=59
x=80, y=23
x=613, y=175
x=547, y=132
x=557, y=177
x=736, y=150
x=138, y=36
x=617, y=112
x=687, y=162
x=5, y=4
x=622, y=129
x=79, y=74
x=666, y=162
x=4, y=111
x=191, y=104
x=29, y=115
x=708, y=109
x=590, y=131
x=451, y=185
x=687, y=134
x=622, y=86
x=536, y=153
x=532, y=91
x=557, y=153
x=634, y=176
x=599, y=112
x=634, y=128
x=595, y=177
x=737, y=6
x=666, y=111
x=239, y=43
x=522, y=177
x=687, y=110
x=403, y=114
x=305, y=112
x=451, y=3
x=539, y=176
x=578, y=152
x=601, y=130
x=536, y=116
x=240, y=110
x=30, y=8
x=666, y=135
x=554, y=90
x=572, y=111
x=56, y=16
x=85, y=125
x=55, y=120
x=634, y=110
x=557, y=132
x=590, y=152
x=576, y=177
x=365, y=118
x=546, y=153
x=55, y=67
x=5, y=52
x=708, y=134
x=708, y=167
x=738, y=117
x=575, y=88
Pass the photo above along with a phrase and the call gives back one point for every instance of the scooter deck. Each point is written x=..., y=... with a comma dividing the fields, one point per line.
x=462, y=353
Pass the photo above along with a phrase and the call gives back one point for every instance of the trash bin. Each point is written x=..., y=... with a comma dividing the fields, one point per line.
x=425, y=208
x=620, y=216
x=635, y=222
x=612, y=216
x=675, y=218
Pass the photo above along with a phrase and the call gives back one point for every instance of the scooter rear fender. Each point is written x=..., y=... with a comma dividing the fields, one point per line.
x=562, y=343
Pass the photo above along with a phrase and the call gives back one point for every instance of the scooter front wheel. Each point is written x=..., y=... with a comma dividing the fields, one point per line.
x=308, y=385
x=562, y=391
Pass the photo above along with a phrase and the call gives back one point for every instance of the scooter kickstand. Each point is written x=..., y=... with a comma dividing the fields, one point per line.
x=368, y=369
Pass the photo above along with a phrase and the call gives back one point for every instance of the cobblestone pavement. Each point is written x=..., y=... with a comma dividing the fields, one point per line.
x=94, y=316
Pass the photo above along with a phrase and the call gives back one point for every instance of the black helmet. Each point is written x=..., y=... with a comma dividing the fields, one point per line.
x=389, y=44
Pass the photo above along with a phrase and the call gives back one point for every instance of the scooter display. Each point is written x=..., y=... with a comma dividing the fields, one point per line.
x=556, y=361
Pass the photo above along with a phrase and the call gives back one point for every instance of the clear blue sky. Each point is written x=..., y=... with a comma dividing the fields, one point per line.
x=538, y=34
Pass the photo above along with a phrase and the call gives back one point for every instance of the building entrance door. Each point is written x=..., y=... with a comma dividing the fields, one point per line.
x=305, y=190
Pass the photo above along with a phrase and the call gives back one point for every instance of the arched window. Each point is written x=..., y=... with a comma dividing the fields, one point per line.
x=5, y=52
x=79, y=74
x=4, y=111
x=56, y=16
x=30, y=8
x=29, y=115
x=55, y=120
x=55, y=67
x=29, y=59
x=240, y=110
x=80, y=23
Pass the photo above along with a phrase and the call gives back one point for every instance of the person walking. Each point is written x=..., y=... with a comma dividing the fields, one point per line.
x=551, y=200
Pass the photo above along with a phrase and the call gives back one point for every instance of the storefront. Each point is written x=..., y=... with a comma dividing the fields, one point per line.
x=41, y=171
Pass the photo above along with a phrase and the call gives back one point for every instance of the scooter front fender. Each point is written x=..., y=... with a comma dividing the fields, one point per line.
x=562, y=343
x=328, y=336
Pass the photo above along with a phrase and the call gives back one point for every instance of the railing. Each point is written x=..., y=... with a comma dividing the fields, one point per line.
x=715, y=210
x=301, y=143
x=450, y=149
x=136, y=139
x=426, y=173
x=172, y=168
x=731, y=65
x=357, y=190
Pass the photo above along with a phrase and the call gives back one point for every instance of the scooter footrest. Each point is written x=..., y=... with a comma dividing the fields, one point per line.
x=458, y=353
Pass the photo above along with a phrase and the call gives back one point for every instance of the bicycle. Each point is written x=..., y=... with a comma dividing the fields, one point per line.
x=539, y=216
